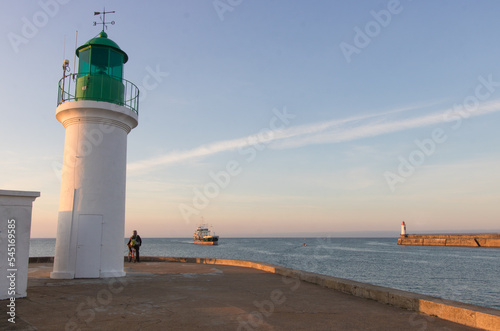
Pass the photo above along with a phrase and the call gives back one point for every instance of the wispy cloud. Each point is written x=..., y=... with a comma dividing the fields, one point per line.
x=327, y=132
x=380, y=126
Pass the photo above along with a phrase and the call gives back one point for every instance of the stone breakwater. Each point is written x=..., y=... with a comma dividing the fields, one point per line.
x=464, y=240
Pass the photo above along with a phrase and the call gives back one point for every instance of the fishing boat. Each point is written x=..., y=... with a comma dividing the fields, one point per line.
x=204, y=236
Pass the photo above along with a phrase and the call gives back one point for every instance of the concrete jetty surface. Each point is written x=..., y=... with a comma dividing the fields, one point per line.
x=189, y=296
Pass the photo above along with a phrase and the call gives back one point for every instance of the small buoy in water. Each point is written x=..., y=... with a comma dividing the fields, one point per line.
x=304, y=244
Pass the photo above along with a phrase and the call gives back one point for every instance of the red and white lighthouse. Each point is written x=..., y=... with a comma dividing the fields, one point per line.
x=403, y=229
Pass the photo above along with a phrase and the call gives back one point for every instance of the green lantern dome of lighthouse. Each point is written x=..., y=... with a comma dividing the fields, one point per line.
x=99, y=76
x=100, y=70
x=103, y=40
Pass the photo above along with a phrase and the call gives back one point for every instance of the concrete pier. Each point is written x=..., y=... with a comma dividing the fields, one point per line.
x=464, y=240
x=161, y=293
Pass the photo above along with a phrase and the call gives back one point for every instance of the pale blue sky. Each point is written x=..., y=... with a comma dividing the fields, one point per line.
x=215, y=73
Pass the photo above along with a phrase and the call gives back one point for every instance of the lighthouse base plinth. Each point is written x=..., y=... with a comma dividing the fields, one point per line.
x=62, y=275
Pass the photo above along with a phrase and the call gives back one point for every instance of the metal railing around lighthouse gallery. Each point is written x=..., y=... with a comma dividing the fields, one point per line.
x=99, y=87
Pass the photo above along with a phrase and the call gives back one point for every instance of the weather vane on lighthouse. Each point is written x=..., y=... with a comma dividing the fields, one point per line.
x=103, y=18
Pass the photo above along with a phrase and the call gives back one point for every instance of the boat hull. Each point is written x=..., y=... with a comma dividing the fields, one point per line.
x=212, y=243
x=207, y=240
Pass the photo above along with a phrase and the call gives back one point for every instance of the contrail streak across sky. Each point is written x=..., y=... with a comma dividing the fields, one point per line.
x=327, y=132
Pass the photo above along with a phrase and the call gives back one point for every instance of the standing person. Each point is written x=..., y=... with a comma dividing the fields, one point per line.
x=135, y=241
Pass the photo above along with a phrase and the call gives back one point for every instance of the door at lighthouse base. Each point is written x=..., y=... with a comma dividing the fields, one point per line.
x=88, y=249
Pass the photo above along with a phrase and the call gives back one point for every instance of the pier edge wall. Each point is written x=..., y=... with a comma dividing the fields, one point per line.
x=455, y=240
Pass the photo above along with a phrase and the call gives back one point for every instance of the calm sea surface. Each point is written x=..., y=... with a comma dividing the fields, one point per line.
x=470, y=275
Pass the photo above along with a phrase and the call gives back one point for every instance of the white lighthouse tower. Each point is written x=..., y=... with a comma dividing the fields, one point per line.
x=403, y=229
x=97, y=119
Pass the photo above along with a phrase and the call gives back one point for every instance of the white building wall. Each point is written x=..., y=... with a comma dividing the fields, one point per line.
x=17, y=206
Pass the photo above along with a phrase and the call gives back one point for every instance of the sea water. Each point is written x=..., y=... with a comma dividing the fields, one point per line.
x=465, y=274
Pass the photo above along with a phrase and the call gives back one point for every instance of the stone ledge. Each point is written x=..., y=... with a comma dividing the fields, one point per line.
x=30, y=194
x=42, y=259
x=489, y=240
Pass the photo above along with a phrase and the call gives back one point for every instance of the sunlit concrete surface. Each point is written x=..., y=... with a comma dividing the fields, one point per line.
x=189, y=296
